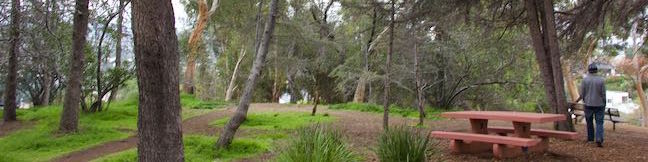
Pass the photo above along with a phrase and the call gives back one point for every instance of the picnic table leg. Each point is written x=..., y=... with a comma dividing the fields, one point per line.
x=479, y=126
x=522, y=130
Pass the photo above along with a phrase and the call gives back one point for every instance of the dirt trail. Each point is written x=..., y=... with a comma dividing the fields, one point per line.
x=189, y=126
x=8, y=127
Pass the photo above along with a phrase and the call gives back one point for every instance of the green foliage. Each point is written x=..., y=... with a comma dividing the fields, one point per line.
x=431, y=113
x=201, y=148
x=277, y=121
x=402, y=143
x=317, y=144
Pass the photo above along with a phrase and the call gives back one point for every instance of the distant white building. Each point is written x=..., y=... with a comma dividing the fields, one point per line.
x=620, y=100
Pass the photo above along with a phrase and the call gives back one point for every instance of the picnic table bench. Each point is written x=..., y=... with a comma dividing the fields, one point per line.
x=502, y=141
x=578, y=110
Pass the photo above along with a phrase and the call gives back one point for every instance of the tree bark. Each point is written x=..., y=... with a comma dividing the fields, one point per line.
x=232, y=82
x=47, y=88
x=194, y=40
x=241, y=112
x=118, y=46
x=559, y=83
x=12, y=77
x=70, y=116
x=571, y=85
x=157, y=63
x=419, y=86
x=545, y=43
x=387, y=81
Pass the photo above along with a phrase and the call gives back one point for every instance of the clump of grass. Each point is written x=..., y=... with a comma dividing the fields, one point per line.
x=201, y=148
x=407, y=112
x=280, y=121
x=317, y=144
x=402, y=143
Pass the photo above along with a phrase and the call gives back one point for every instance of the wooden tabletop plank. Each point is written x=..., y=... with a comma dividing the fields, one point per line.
x=505, y=116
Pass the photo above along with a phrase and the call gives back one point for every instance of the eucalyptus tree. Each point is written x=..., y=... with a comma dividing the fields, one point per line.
x=235, y=122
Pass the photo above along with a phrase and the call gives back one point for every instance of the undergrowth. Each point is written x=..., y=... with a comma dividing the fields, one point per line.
x=403, y=143
x=317, y=144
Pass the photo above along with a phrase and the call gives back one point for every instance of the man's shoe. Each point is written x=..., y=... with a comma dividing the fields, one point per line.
x=599, y=144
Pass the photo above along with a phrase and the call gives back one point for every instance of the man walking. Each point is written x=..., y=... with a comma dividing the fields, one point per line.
x=592, y=92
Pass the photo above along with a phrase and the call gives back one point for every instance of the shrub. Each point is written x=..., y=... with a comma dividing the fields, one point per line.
x=316, y=144
x=402, y=143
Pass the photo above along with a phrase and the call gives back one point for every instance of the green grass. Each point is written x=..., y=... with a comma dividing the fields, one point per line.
x=431, y=113
x=42, y=142
x=277, y=121
x=191, y=102
x=201, y=148
x=317, y=144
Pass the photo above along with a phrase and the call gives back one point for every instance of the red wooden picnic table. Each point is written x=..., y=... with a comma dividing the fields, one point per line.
x=521, y=129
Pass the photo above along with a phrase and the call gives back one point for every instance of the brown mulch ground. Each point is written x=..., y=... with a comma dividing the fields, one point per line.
x=627, y=143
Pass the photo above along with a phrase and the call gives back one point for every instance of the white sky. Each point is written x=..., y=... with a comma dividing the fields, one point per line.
x=180, y=16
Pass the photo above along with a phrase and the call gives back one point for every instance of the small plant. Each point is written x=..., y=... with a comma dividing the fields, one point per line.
x=316, y=144
x=403, y=143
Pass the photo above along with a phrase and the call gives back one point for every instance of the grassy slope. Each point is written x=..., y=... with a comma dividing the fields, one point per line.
x=272, y=126
x=393, y=110
x=41, y=142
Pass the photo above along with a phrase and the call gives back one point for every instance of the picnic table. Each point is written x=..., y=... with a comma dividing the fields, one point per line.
x=503, y=141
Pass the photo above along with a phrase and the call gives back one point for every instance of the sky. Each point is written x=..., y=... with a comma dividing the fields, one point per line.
x=180, y=16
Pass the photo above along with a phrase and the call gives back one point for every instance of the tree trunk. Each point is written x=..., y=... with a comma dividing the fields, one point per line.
x=70, y=116
x=241, y=112
x=47, y=88
x=642, y=97
x=419, y=86
x=194, y=40
x=544, y=47
x=157, y=61
x=12, y=77
x=559, y=83
x=317, y=100
x=118, y=46
x=387, y=69
x=571, y=85
x=232, y=83
x=359, y=95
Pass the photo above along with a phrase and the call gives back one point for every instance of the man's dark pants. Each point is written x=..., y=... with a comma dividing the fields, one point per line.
x=598, y=113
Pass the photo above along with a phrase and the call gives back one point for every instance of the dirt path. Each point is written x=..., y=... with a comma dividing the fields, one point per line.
x=191, y=125
x=8, y=127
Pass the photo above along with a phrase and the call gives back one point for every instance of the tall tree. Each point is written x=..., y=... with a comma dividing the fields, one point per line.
x=545, y=43
x=70, y=116
x=257, y=67
x=118, y=44
x=11, y=83
x=157, y=62
x=387, y=67
x=194, y=40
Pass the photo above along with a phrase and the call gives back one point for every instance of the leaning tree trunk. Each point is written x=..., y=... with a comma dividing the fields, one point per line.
x=571, y=85
x=12, y=81
x=70, y=116
x=387, y=69
x=241, y=112
x=157, y=63
x=551, y=74
x=642, y=97
x=359, y=95
x=232, y=82
x=559, y=83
